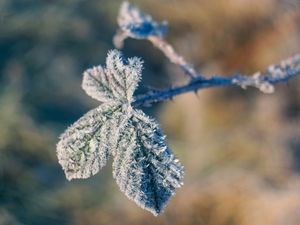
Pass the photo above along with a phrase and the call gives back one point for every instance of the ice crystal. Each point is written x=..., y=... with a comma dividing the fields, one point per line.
x=144, y=166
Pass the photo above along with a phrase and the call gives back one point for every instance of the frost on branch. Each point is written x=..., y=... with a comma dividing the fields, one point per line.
x=285, y=69
x=136, y=24
x=144, y=167
x=275, y=73
x=254, y=81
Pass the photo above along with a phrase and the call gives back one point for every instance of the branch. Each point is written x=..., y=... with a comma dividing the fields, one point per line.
x=174, y=57
x=135, y=24
x=286, y=70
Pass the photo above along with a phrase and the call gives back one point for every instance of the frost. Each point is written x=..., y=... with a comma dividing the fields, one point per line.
x=255, y=81
x=136, y=24
x=275, y=73
x=144, y=167
x=282, y=70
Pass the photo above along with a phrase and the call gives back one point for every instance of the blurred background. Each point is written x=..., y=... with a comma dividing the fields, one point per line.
x=240, y=149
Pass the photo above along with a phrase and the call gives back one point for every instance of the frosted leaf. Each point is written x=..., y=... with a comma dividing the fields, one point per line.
x=96, y=84
x=124, y=73
x=116, y=82
x=84, y=147
x=144, y=167
x=136, y=24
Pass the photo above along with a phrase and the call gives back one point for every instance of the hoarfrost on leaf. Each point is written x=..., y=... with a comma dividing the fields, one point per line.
x=84, y=147
x=125, y=75
x=116, y=82
x=97, y=84
x=144, y=167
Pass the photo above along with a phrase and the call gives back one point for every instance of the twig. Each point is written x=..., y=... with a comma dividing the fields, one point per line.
x=286, y=70
x=173, y=56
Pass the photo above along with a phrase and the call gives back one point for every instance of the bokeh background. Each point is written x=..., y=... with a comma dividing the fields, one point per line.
x=241, y=149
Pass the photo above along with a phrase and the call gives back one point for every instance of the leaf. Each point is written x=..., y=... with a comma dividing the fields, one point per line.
x=116, y=82
x=85, y=146
x=144, y=167
x=125, y=74
x=97, y=84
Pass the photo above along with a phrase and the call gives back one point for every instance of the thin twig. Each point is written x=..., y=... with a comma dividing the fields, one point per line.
x=281, y=73
x=173, y=56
